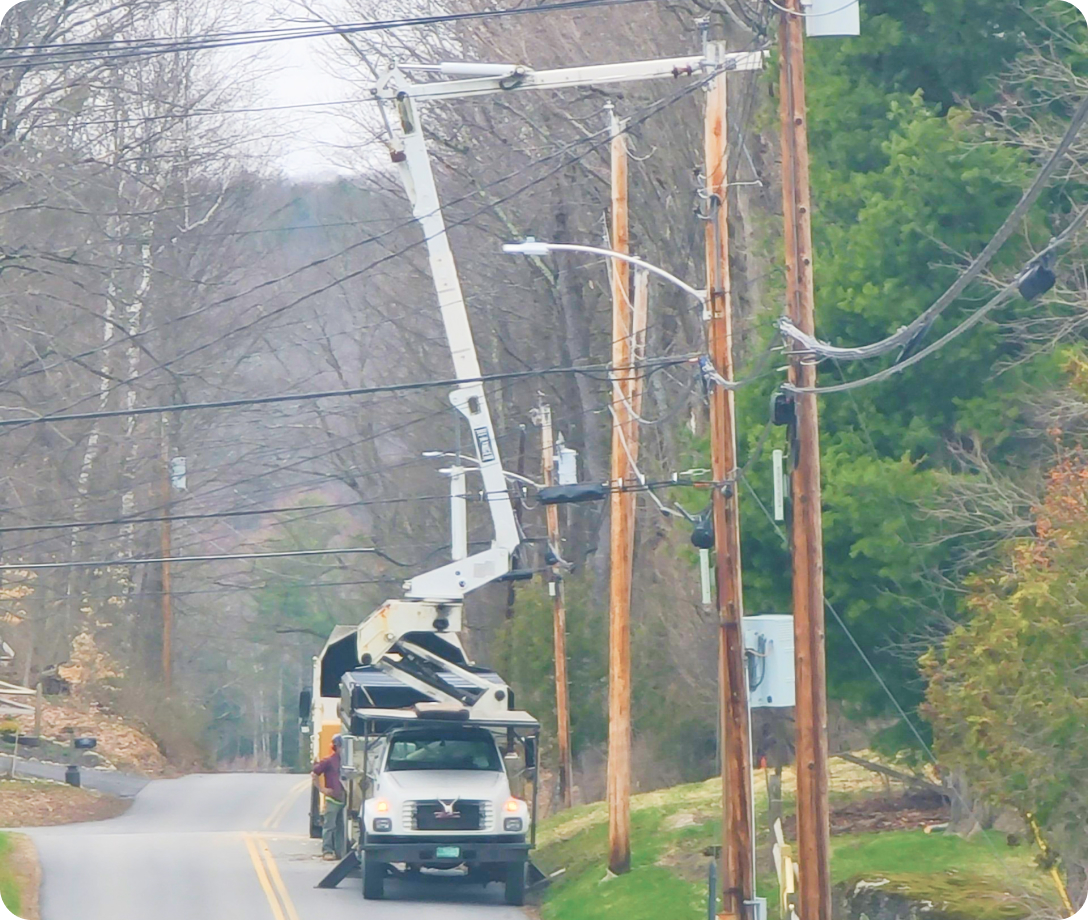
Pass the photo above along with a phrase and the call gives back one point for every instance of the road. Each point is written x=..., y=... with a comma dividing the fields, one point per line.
x=225, y=847
x=121, y=784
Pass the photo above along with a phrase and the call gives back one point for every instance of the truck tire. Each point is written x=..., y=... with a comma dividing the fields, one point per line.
x=373, y=880
x=316, y=820
x=515, y=884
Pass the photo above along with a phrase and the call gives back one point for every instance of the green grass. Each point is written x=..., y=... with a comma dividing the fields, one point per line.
x=982, y=877
x=977, y=879
x=9, y=886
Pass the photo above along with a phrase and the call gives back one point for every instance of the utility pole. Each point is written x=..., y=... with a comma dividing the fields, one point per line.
x=559, y=617
x=621, y=522
x=813, y=820
x=166, y=534
x=737, y=867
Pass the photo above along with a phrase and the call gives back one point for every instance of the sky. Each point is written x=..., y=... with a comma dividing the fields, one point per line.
x=297, y=73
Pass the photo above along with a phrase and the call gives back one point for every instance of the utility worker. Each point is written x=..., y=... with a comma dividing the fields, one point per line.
x=326, y=774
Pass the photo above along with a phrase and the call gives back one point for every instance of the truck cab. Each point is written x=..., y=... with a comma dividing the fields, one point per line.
x=438, y=779
x=441, y=795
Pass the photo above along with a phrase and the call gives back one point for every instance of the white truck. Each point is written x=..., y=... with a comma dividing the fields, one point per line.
x=433, y=755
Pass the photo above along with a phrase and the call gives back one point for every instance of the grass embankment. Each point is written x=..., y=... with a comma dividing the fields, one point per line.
x=978, y=879
x=19, y=876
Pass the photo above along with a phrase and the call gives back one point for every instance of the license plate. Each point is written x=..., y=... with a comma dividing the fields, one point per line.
x=447, y=852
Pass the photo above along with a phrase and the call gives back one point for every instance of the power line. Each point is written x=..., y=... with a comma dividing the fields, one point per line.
x=593, y=142
x=121, y=49
x=216, y=515
x=195, y=113
x=215, y=557
x=908, y=334
x=973, y=320
x=323, y=394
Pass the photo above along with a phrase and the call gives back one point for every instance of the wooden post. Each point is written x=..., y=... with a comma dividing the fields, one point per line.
x=620, y=521
x=737, y=883
x=559, y=617
x=813, y=820
x=165, y=533
x=39, y=704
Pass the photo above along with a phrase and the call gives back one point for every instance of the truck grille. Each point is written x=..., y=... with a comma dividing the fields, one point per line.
x=464, y=815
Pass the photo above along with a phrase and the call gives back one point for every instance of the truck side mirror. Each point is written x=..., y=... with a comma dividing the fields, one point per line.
x=305, y=704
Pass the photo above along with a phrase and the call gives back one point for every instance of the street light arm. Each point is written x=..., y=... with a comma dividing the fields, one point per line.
x=465, y=458
x=539, y=248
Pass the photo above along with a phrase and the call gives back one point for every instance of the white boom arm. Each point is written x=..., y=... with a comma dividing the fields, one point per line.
x=397, y=94
x=453, y=581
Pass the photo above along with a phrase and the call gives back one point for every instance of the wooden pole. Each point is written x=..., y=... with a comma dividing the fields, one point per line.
x=813, y=820
x=737, y=870
x=165, y=534
x=559, y=617
x=620, y=522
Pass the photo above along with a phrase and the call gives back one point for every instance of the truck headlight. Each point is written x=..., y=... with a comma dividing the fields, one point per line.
x=383, y=825
x=512, y=825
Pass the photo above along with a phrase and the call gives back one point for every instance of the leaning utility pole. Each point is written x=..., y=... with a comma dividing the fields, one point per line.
x=737, y=870
x=813, y=822
x=621, y=529
x=167, y=601
x=559, y=617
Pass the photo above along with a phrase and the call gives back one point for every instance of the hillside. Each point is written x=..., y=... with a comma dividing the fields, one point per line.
x=882, y=873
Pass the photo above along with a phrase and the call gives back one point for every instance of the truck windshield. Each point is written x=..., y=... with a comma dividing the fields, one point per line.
x=417, y=753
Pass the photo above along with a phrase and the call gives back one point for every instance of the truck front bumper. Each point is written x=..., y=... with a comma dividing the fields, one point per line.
x=452, y=850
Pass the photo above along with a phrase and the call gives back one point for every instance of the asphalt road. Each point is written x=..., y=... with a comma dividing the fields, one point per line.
x=120, y=784
x=225, y=847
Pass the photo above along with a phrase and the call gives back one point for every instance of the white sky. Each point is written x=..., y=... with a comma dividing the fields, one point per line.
x=297, y=73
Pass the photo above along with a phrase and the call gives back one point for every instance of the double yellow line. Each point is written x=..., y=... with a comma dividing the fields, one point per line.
x=264, y=864
x=268, y=874
x=273, y=820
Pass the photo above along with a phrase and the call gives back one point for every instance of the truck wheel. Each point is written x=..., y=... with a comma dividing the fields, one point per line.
x=373, y=880
x=515, y=884
x=316, y=822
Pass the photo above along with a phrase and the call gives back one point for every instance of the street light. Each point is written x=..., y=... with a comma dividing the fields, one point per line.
x=539, y=248
x=459, y=500
x=430, y=454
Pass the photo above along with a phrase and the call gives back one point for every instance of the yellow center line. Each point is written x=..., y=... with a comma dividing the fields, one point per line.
x=274, y=819
x=277, y=880
x=262, y=877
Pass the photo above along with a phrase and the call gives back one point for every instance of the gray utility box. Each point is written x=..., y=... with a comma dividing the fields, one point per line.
x=768, y=649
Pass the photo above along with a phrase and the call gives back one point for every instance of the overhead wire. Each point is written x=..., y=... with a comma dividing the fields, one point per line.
x=122, y=49
x=592, y=142
x=906, y=335
x=1003, y=296
x=303, y=397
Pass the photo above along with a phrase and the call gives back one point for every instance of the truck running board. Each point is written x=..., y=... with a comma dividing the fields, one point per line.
x=348, y=867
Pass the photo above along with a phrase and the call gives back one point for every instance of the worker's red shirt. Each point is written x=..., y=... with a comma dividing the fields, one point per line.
x=330, y=769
